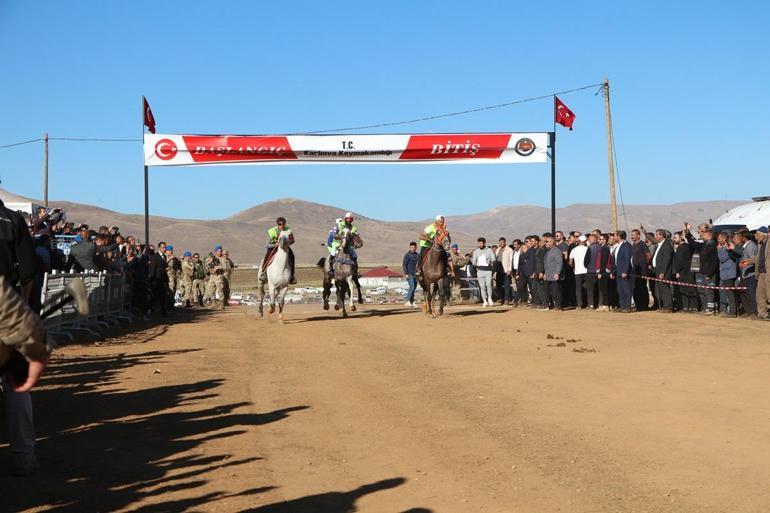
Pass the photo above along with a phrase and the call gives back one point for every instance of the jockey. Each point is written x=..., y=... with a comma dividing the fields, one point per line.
x=272, y=240
x=334, y=240
x=426, y=240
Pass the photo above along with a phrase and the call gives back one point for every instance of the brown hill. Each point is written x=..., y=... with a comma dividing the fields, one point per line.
x=384, y=241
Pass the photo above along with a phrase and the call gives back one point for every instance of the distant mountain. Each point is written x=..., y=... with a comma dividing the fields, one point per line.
x=384, y=241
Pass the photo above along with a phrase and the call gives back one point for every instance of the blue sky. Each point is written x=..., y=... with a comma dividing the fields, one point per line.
x=690, y=97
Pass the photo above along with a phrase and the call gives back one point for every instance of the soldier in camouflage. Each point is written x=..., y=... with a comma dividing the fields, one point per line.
x=215, y=289
x=186, y=280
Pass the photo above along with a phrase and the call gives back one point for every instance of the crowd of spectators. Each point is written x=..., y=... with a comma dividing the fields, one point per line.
x=153, y=273
x=721, y=273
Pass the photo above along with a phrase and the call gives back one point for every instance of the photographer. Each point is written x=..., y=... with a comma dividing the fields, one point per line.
x=45, y=221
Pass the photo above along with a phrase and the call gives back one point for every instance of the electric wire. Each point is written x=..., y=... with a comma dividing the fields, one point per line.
x=20, y=143
x=451, y=114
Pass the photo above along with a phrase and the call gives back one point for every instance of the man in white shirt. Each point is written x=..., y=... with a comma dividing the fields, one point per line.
x=504, y=256
x=483, y=259
x=577, y=262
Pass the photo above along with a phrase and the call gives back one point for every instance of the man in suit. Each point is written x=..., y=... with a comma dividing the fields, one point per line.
x=662, y=263
x=159, y=278
x=686, y=297
x=622, y=271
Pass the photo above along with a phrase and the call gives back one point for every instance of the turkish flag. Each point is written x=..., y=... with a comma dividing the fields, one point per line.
x=149, y=119
x=562, y=114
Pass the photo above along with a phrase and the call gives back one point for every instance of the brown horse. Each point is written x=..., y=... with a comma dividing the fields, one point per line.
x=434, y=273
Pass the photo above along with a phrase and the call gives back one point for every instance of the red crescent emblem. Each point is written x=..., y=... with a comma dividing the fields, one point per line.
x=165, y=149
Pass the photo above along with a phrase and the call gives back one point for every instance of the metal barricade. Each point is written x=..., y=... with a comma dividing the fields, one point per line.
x=106, y=299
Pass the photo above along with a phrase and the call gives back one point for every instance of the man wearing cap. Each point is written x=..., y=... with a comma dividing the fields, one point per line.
x=228, y=274
x=199, y=280
x=761, y=266
x=272, y=240
x=215, y=289
x=426, y=240
x=458, y=261
x=334, y=240
x=173, y=268
x=186, y=280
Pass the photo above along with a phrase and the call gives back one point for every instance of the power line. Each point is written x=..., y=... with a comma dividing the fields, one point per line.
x=360, y=127
x=458, y=113
x=20, y=143
x=91, y=139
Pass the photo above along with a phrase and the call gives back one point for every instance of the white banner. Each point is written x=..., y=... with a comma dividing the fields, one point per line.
x=208, y=150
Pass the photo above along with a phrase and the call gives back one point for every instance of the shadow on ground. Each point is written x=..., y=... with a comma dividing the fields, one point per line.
x=333, y=502
x=103, y=448
x=333, y=315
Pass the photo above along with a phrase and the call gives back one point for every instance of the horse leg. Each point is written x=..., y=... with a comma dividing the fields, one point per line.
x=442, y=295
x=358, y=289
x=280, y=305
x=350, y=294
x=327, y=292
x=341, y=291
x=261, y=298
x=273, y=300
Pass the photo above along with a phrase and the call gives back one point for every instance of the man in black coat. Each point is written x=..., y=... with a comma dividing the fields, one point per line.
x=525, y=272
x=82, y=253
x=663, y=262
x=640, y=259
x=709, y=265
x=686, y=297
x=158, y=277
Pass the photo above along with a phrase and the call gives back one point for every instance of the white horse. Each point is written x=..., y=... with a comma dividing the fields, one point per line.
x=276, y=276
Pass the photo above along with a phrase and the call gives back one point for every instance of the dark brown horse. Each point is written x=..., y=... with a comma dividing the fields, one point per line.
x=434, y=279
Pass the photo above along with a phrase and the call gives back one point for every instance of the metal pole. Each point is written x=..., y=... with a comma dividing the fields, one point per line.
x=45, y=169
x=146, y=191
x=552, y=137
x=610, y=159
x=146, y=207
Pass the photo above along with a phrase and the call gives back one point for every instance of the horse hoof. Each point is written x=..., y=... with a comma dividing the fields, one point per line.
x=272, y=309
x=353, y=308
x=344, y=315
x=336, y=307
x=326, y=306
x=360, y=301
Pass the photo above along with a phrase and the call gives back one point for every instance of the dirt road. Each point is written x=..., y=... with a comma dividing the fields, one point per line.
x=389, y=411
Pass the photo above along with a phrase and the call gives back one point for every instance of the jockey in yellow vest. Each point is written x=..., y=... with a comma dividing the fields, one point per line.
x=272, y=240
x=426, y=240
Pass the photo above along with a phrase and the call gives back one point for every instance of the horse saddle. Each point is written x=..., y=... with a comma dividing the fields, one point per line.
x=269, y=258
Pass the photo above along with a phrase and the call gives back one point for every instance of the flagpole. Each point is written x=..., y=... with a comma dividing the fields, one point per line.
x=146, y=190
x=552, y=137
x=610, y=159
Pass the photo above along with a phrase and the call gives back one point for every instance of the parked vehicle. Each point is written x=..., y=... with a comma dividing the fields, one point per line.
x=751, y=216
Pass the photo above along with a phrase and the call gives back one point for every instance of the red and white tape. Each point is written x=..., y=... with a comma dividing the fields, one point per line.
x=683, y=284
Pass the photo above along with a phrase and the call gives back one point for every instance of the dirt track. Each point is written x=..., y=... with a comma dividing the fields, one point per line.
x=389, y=411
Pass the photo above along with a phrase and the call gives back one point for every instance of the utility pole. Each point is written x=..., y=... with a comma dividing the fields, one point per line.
x=610, y=159
x=45, y=169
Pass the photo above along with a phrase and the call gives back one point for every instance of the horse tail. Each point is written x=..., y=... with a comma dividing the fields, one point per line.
x=321, y=263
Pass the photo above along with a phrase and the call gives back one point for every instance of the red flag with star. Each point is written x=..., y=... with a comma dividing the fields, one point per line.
x=561, y=113
x=149, y=119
